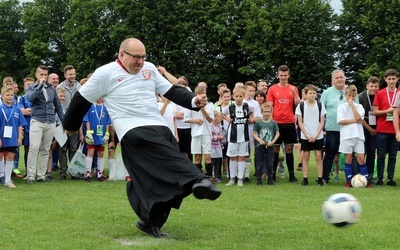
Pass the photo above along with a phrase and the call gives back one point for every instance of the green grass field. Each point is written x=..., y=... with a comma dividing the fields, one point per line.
x=79, y=215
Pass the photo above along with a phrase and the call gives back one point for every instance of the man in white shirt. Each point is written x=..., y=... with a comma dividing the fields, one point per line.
x=161, y=175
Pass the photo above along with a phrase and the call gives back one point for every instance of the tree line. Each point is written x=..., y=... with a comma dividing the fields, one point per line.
x=206, y=40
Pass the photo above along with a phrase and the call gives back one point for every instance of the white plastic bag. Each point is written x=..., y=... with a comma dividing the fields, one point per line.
x=117, y=172
x=76, y=167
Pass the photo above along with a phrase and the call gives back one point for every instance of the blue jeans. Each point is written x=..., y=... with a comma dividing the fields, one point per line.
x=263, y=154
x=332, y=141
x=386, y=144
x=370, y=150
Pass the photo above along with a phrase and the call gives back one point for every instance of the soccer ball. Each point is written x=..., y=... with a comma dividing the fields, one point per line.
x=341, y=210
x=359, y=181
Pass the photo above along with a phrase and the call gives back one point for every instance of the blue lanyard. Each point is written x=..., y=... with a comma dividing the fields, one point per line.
x=9, y=117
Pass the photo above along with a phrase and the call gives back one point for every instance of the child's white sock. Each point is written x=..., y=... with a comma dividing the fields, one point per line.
x=88, y=168
x=233, y=169
x=100, y=166
x=1, y=167
x=241, y=169
x=8, y=170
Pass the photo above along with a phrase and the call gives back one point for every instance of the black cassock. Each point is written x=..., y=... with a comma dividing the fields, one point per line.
x=161, y=175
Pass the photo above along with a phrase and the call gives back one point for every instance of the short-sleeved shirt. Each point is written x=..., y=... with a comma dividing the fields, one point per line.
x=98, y=117
x=119, y=88
x=10, y=116
x=23, y=102
x=354, y=130
x=265, y=130
x=367, y=101
x=384, y=99
x=332, y=98
x=236, y=130
x=311, y=119
x=205, y=128
x=283, y=102
x=169, y=115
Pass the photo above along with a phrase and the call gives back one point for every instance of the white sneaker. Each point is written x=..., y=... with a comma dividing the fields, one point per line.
x=240, y=183
x=10, y=185
x=230, y=183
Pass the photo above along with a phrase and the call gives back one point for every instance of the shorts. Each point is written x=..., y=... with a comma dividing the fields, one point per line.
x=201, y=144
x=9, y=149
x=99, y=148
x=310, y=146
x=287, y=133
x=238, y=149
x=351, y=145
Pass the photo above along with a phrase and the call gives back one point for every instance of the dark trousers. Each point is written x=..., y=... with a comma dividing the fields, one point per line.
x=370, y=150
x=161, y=175
x=263, y=156
x=332, y=141
x=386, y=144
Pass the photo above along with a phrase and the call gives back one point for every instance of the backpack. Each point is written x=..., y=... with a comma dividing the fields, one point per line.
x=302, y=109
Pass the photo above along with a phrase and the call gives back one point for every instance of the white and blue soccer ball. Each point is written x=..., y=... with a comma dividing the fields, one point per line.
x=341, y=210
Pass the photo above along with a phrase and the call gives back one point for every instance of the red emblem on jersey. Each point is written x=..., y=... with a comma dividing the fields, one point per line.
x=146, y=74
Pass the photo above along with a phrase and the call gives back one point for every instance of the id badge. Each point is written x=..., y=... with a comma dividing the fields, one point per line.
x=99, y=130
x=7, y=132
x=371, y=118
x=389, y=117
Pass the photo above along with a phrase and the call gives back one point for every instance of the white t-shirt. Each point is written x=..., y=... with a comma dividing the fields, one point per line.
x=130, y=98
x=354, y=130
x=205, y=128
x=311, y=119
x=180, y=123
x=169, y=115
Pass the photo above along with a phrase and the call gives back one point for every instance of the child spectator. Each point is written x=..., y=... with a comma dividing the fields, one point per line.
x=26, y=107
x=200, y=124
x=168, y=111
x=97, y=124
x=217, y=137
x=225, y=100
x=310, y=117
x=349, y=117
x=265, y=134
x=11, y=122
x=255, y=114
x=260, y=97
x=238, y=135
x=62, y=149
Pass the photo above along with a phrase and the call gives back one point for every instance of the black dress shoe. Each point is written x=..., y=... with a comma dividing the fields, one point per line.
x=206, y=190
x=150, y=230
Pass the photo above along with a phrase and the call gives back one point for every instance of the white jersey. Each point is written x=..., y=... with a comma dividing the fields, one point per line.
x=130, y=98
x=354, y=130
x=169, y=115
x=239, y=129
x=205, y=128
x=180, y=123
x=255, y=109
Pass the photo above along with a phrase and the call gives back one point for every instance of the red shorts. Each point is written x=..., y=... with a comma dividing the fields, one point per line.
x=96, y=147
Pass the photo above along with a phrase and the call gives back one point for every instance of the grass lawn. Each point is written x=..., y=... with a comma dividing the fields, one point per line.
x=79, y=215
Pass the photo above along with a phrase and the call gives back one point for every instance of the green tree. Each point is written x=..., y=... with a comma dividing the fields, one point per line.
x=369, y=38
x=88, y=35
x=297, y=33
x=12, y=36
x=44, y=24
